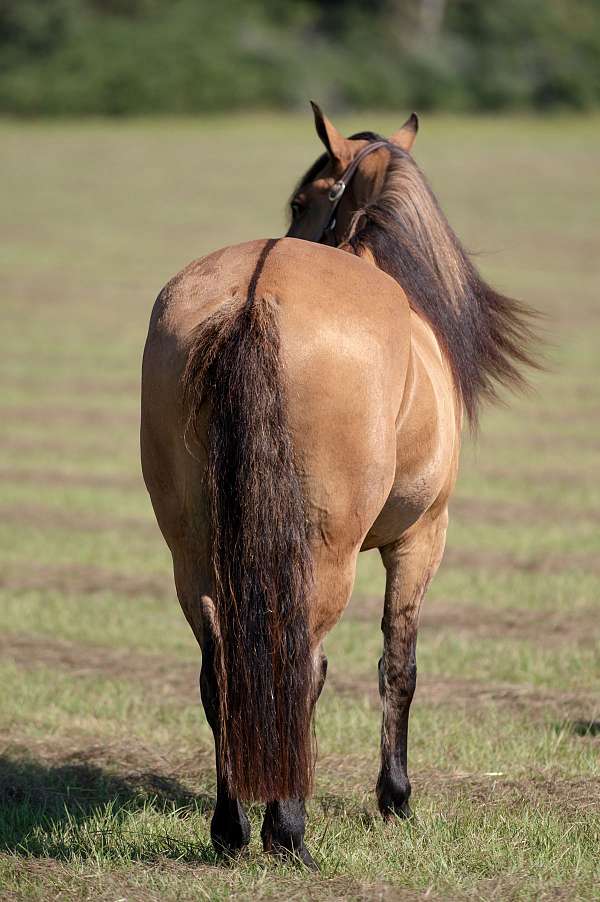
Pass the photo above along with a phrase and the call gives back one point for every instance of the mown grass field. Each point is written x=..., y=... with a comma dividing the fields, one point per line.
x=106, y=762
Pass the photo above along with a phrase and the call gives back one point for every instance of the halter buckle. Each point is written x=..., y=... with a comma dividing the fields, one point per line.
x=337, y=190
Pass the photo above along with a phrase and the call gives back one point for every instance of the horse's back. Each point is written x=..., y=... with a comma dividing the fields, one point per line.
x=324, y=285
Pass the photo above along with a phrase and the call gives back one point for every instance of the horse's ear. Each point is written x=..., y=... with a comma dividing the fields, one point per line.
x=336, y=145
x=405, y=136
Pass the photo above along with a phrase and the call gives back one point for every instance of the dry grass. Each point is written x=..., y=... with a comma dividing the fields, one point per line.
x=106, y=763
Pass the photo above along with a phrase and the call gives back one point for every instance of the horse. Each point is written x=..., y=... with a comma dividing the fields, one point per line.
x=303, y=399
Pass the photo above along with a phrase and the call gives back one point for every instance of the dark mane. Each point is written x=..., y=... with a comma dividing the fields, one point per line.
x=486, y=336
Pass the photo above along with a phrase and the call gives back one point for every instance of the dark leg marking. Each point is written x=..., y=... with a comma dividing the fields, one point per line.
x=393, y=784
x=410, y=564
x=283, y=830
x=285, y=821
x=229, y=827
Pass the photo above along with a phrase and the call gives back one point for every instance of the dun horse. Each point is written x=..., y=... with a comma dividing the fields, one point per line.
x=302, y=401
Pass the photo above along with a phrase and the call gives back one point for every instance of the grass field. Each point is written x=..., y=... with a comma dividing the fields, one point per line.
x=106, y=770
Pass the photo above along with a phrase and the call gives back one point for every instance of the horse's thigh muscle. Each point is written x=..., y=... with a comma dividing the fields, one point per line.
x=333, y=582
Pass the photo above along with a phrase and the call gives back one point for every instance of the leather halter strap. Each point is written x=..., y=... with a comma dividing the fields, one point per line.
x=337, y=191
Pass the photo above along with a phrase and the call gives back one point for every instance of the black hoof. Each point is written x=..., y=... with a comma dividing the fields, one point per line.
x=229, y=838
x=300, y=855
x=283, y=832
x=393, y=796
x=307, y=860
x=400, y=810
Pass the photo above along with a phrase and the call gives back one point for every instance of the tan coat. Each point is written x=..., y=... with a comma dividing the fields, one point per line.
x=297, y=408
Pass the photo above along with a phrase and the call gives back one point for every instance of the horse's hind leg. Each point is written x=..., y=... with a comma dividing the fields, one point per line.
x=229, y=827
x=285, y=820
x=410, y=564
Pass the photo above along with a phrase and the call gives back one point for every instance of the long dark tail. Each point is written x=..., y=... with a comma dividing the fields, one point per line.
x=261, y=558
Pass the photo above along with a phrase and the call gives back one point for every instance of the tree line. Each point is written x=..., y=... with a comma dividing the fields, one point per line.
x=121, y=57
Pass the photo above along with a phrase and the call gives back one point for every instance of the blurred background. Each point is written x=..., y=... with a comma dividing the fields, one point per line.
x=118, y=57
x=136, y=135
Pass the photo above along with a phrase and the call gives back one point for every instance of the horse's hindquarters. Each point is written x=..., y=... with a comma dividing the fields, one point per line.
x=344, y=333
x=344, y=369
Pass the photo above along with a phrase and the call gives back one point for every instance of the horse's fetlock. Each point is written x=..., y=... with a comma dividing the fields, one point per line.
x=229, y=828
x=283, y=826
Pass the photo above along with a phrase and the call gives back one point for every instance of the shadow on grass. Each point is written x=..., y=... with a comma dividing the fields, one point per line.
x=585, y=727
x=336, y=806
x=589, y=729
x=63, y=810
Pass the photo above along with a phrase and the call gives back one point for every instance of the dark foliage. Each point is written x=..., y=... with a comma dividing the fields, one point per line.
x=149, y=56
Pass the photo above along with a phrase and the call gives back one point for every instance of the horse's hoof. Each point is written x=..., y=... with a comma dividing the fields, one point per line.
x=392, y=799
x=401, y=811
x=225, y=850
x=300, y=855
x=307, y=860
x=231, y=840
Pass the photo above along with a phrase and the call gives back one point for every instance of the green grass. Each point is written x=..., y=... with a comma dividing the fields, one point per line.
x=106, y=762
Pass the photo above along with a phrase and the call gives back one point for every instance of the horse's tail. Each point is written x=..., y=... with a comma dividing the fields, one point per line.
x=261, y=558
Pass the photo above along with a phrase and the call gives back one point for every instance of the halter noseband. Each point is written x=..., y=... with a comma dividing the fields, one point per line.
x=337, y=191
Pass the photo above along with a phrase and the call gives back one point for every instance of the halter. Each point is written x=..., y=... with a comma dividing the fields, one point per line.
x=337, y=191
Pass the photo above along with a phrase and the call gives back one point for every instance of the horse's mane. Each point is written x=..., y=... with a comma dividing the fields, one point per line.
x=485, y=336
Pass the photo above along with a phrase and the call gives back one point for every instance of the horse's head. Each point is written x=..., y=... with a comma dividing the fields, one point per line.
x=343, y=180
